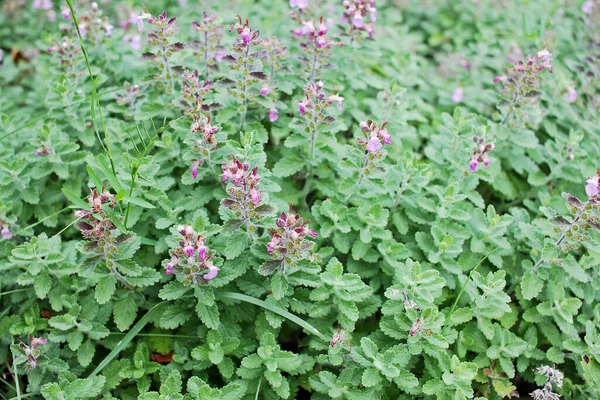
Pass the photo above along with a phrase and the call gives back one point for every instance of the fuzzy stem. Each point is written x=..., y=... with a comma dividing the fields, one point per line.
x=16, y=374
x=244, y=88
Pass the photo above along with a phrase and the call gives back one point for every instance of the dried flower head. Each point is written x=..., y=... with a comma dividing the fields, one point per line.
x=32, y=351
x=554, y=377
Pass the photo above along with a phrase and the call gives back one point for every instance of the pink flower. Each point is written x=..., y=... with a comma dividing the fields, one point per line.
x=374, y=144
x=385, y=136
x=38, y=341
x=587, y=7
x=486, y=159
x=302, y=106
x=499, y=78
x=212, y=273
x=357, y=21
x=571, y=94
x=473, y=164
x=194, y=169
x=273, y=114
x=270, y=247
x=301, y=4
x=6, y=233
x=140, y=20
x=265, y=89
x=591, y=189
x=322, y=28
x=136, y=42
x=109, y=28
x=202, y=252
x=169, y=268
x=189, y=250
x=457, y=96
x=219, y=55
x=255, y=196
x=311, y=232
x=66, y=13
x=245, y=34
x=339, y=99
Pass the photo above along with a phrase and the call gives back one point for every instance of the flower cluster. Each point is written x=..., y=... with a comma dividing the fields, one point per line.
x=193, y=91
x=32, y=351
x=554, y=377
x=192, y=259
x=288, y=242
x=94, y=224
x=522, y=82
x=315, y=101
x=316, y=45
x=245, y=62
x=165, y=29
x=67, y=52
x=480, y=155
x=245, y=196
x=360, y=16
x=93, y=26
x=205, y=142
x=209, y=49
x=44, y=150
x=375, y=137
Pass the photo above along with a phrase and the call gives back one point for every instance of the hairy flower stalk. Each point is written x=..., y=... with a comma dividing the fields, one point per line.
x=32, y=350
x=288, y=243
x=316, y=45
x=103, y=237
x=193, y=91
x=245, y=196
x=209, y=49
x=205, y=142
x=522, y=82
x=93, y=26
x=313, y=108
x=375, y=139
x=554, y=378
x=276, y=53
x=245, y=62
x=132, y=92
x=191, y=261
x=165, y=29
x=67, y=53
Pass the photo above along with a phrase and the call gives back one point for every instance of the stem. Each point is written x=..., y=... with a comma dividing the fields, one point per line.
x=166, y=60
x=14, y=291
x=313, y=66
x=95, y=98
x=206, y=55
x=468, y=279
x=510, y=108
x=16, y=373
x=41, y=220
x=258, y=387
x=402, y=189
x=361, y=177
x=243, y=117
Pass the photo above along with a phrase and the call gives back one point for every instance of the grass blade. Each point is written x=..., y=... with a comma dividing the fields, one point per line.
x=276, y=310
x=128, y=338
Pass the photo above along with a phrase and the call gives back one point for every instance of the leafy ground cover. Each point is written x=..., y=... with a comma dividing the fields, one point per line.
x=315, y=199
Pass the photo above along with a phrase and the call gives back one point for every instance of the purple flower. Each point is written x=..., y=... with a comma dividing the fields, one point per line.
x=385, y=136
x=311, y=232
x=66, y=13
x=301, y=4
x=169, y=266
x=273, y=114
x=109, y=28
x=6, y=233
x=212, y=273
x=202, y=252
x=140, y=20
x=189, y=250
x=374, y=144
x=499, y=78
x=473, y=164
x=457, y=96
x=357, y=21
x=339, y=99
x=265, y=89
x=136, y=42
x=571, y=94
x=302, y=106
x=591, y=189
x=219, y=55
x=194, y=169
x=587, y=7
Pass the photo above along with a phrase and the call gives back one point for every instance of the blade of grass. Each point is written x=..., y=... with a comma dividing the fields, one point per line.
x=276, y=310
x=95, y=98
x=16, y=373
x=128, y=338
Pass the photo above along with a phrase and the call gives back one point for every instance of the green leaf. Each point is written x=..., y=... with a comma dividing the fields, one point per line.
x=125, y=312
x=105, y=288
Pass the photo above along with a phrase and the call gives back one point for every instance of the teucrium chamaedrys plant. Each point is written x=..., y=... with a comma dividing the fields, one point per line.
x=277, y=215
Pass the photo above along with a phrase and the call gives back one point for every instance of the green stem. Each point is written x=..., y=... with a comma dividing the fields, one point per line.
x=14, y=291
x=258, y=387
x=95, y=98
x=277, y=310
x=16, y=373
x=158, y=335
x=41, y=220
x=468, y=279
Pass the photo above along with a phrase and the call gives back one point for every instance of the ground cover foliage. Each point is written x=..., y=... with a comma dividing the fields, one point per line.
x=315, y=199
